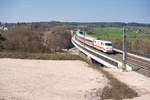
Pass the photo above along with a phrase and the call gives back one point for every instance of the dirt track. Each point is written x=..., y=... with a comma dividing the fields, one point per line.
x=48, y=80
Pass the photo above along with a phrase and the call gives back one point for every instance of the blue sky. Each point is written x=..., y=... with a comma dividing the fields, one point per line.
x=75, y=10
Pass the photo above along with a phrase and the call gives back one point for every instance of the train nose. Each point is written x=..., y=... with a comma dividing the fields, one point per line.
x=109, y=48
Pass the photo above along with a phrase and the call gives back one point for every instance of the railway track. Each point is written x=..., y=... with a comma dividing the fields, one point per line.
x=137, y=64
x=134, y=63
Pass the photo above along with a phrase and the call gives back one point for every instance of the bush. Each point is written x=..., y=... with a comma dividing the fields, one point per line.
x=145, y=46
x=42, y=56
x=23, y=39
x=1, y=40
x=117, y=44
x=59, y=38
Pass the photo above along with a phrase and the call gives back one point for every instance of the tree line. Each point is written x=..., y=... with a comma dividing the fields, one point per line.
x=46, y=25
x=140, y=47
x=24, y=39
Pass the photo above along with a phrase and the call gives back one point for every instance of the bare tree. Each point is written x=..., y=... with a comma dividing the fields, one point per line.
x=145, y=46
x=59, y=38
x=23, y=39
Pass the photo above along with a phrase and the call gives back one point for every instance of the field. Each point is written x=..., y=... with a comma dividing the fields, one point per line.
x=117, y=34
x=138, y=38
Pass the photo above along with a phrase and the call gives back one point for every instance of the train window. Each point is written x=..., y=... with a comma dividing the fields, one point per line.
x=108, y=44
x=98, y=38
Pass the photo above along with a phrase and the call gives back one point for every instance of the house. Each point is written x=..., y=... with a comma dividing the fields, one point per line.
x=3, y=28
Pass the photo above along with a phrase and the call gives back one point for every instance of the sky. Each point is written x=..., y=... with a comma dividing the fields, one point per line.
x=75, y=10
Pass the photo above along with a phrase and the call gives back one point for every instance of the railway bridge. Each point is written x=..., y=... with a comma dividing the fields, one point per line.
x=134, y=63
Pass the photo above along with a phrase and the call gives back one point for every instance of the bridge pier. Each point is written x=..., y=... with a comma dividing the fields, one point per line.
x=89, y=59
x=84, y=56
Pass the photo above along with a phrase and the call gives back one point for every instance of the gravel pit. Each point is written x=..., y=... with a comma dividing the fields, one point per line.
x=49, y=80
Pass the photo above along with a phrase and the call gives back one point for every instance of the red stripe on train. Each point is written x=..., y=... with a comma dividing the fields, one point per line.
x=100, y=47
x=91, y=43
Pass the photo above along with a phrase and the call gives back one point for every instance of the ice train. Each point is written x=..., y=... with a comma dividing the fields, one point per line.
x=103, y=45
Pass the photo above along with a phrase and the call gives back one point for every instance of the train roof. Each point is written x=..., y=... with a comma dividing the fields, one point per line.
x=105, y=41
x=90, y=38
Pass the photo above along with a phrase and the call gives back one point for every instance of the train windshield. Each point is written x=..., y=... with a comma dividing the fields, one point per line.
x=108, y=44
x=81, y=33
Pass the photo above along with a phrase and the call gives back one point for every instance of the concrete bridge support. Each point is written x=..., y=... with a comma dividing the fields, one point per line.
x=84, y=56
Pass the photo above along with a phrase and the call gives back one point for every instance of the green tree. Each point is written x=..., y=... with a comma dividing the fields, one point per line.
x=1, y=39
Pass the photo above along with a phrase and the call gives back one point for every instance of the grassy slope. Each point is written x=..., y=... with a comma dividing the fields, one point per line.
x=116, y=89
x=116, y=34
x=41, y=56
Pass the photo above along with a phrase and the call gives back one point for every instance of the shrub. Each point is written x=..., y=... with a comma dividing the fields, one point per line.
x=59, y=38
x=1, y=40
x=23, y=39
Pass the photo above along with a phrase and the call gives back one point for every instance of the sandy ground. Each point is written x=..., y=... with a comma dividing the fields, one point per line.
x=49, y=80
x=73, y=51
x=136, y=81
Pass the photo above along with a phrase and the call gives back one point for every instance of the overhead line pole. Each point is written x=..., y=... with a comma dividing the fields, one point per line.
x=124, y=49
x=84, y=38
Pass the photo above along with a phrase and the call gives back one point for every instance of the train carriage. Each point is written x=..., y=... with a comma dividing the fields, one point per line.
x=103, y=45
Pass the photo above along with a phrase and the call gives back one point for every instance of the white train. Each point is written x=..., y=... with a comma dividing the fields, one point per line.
x=103, y=45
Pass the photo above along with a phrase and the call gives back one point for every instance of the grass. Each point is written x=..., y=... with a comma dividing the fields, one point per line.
x=116, y=89
x=41, y=56
x=116, y=34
